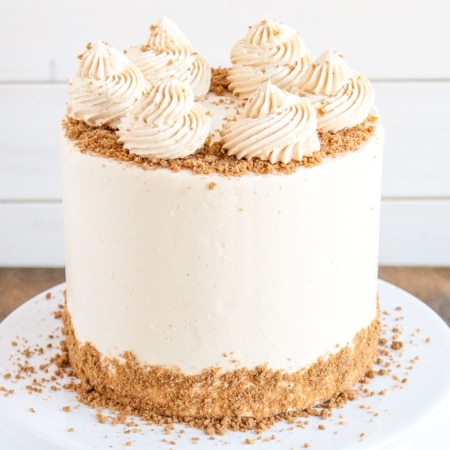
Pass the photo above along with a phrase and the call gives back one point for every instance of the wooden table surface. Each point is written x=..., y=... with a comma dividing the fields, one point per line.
x=430, y=284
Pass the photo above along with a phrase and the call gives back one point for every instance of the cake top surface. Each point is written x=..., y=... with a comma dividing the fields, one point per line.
x=275, y=108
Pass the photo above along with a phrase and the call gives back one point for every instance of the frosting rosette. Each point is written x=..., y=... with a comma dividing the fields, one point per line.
x=270, y=50
x=169, y=53
x=106, y=85
x=342, y=97
x=275, y=126
x=166, y=122
x=348, y=107
x=326, y=75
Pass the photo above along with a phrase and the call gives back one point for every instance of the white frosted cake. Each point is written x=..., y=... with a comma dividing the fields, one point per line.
x=221, y=226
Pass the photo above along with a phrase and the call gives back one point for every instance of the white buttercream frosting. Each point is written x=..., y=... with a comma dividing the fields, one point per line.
x=280, y=270
x=342, y=97
x=275, y=126
x=270, y=50
x=106, y=85
x=168, y=52
x=166, y=122
x=326, y=75
x=348, y=107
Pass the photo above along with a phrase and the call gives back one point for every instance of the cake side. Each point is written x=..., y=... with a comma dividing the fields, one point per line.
x=221, y=264
x=124, y=384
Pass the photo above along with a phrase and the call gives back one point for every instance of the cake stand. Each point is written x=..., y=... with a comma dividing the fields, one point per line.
x=406, y=408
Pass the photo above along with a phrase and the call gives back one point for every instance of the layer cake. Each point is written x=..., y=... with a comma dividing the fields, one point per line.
x=221, y=225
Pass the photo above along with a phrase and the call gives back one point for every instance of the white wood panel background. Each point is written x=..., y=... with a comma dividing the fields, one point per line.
x=401, y=45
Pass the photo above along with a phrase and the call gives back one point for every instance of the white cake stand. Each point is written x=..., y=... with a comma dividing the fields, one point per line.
x=414, y=414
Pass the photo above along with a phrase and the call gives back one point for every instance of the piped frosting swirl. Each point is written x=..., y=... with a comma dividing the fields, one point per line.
x=169, y=53
x=269, y=51
x=166, y=122
x=348, y=107
x=275, y=126
x=157, y=114
x=342, y=98
x=326, y=75
x=106, y=85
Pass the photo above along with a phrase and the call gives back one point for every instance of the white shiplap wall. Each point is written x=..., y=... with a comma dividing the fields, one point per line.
x=401, y=45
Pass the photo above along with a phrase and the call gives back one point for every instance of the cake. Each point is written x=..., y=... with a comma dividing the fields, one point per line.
x=221, y=225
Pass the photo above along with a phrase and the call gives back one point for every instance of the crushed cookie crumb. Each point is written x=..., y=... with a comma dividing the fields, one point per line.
x=219, y=81
x=212, y=158
x=396, y=345
x=195, y=411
